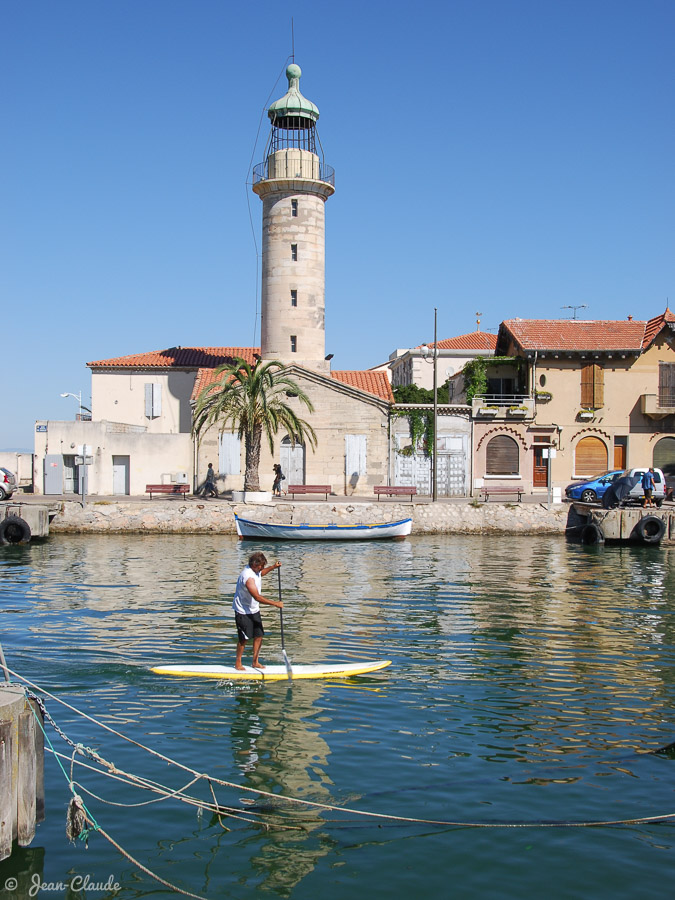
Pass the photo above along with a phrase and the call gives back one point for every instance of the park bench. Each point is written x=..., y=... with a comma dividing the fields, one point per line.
x=500, y=490
x=395, y=490
x=310, y=489
x=167, y=489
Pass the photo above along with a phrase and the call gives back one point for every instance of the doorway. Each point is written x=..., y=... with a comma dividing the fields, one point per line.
x=620, y=451
x=292, y=461
x=540, y=465
x=120, y=466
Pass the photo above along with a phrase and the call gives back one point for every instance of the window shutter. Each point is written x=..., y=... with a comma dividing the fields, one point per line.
x=666, y=384
x=157, y=400
x=590, y=457
x=587, y=385
x=229, y=454
x=501, y=456
x=148, y=401
x=598, y=386
x=355, y=455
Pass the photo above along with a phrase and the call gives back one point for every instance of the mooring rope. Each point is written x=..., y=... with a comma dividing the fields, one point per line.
x=639, y=820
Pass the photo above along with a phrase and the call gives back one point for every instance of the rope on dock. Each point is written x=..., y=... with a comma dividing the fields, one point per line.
x=316, y=805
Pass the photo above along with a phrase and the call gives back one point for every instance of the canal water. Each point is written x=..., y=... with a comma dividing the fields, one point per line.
x=530, y=678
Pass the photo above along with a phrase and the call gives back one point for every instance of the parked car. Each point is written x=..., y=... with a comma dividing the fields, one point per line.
x=7, y=483
x=592, y=490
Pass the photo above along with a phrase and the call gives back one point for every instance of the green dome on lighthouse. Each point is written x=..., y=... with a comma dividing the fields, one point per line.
x=292, y=104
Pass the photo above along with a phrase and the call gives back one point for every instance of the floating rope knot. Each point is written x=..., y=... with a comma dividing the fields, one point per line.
x=76, y=820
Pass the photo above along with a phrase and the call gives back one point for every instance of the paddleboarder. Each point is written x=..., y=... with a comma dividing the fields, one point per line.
x=246, y=605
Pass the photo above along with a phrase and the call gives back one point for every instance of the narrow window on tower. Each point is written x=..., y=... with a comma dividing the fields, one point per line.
x=294, y=208
x=294, y=252
x=294, y=298
x=294, y=344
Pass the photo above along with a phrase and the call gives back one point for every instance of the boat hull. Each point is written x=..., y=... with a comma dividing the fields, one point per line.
x=273, y=673
x=246, y=529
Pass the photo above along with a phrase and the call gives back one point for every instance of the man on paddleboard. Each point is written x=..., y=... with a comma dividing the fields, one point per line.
x=246, y=606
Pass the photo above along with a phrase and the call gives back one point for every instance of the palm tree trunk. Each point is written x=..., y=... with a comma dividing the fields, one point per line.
x=252, y=447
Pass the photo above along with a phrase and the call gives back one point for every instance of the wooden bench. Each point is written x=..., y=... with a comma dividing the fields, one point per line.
x=395, y=490
x=167, y=489
x=500, y=490
x=309, y=489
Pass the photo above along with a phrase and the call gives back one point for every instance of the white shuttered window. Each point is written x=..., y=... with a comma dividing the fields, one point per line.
x=355, y=456
x=229, y=454
x=153, y=400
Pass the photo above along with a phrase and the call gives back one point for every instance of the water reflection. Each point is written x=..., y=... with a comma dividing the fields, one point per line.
x=526, y=675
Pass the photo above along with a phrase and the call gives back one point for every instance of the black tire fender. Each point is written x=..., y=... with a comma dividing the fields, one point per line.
x=592, y=533
x=14, y=530
x=650, y=529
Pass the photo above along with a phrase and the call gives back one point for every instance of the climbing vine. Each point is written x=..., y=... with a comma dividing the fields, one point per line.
x=420, y=421
x=476, y=374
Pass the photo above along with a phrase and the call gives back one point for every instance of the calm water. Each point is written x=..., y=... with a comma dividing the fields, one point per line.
x=528, y=677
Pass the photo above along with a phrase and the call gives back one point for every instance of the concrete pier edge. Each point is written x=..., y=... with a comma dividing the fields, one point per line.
x=196, y=516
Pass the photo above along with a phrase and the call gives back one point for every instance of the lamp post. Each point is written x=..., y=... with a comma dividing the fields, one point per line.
x=434, y=449
x=434, y=475
x=77, y=397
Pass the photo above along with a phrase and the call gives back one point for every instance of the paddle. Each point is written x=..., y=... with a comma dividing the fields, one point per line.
x=287, y=661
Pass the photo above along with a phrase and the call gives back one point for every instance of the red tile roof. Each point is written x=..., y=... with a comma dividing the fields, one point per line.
x=376, y=383
x=574, y=334
x=655, y=325
x=178, y=358
x=475, y=340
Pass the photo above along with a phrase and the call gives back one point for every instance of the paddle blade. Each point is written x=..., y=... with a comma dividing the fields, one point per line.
x=287, y=663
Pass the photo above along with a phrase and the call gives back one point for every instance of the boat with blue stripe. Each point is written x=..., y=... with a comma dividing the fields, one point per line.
x=246, y=529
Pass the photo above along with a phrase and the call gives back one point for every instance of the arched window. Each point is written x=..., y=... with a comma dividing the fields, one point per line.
x=590, y=457
x=501, y=456
x=664, y=456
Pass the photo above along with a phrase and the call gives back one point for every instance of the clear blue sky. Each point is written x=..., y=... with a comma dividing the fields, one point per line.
x=504, y=156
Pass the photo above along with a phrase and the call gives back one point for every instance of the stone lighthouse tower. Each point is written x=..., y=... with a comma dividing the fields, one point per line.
x=293, y=183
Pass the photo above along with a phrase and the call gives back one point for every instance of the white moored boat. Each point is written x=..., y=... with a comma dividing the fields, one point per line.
x=261, y=530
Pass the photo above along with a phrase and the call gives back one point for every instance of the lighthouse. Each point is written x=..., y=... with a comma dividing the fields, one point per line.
x=293, y=183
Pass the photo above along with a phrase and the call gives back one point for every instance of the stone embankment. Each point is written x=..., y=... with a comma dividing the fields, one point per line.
x=171, y=516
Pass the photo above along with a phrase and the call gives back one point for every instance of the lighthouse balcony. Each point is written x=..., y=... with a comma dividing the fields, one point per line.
x=294, y=164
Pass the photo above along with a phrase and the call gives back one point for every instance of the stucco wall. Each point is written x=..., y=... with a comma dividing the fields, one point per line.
x=120, y=397
x=338, y=412
x=150, y=455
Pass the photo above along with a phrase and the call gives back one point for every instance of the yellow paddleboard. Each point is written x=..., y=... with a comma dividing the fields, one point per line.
x=273, y=673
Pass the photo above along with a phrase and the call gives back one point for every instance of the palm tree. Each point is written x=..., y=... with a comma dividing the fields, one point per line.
x=252, y=400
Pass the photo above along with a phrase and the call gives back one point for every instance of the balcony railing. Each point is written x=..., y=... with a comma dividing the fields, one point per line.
x=503, y=406
x=325, y=173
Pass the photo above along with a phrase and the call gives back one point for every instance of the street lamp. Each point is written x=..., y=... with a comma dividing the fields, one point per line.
x=78, y=397
x=434, y=354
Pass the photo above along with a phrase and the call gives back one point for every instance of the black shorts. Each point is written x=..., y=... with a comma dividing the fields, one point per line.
x=648, y=493
x=248, y=626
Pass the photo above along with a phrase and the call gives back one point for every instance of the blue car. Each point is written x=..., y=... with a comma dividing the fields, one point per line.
x=593, y=489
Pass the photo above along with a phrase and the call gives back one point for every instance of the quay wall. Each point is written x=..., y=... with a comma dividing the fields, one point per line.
x=171, y=516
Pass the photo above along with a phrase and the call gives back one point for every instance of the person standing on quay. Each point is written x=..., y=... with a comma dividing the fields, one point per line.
x=278, y=478
x=648, y=487
x=246, y=606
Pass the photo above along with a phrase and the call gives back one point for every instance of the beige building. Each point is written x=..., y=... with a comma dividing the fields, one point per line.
x=600, y=394
x=415, y=365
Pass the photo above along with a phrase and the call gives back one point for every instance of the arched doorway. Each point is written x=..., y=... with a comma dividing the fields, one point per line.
x=664, y=457
x=292, y=461
x=590, y=457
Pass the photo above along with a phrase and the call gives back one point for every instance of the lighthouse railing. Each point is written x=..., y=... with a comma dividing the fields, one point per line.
x=326, y=173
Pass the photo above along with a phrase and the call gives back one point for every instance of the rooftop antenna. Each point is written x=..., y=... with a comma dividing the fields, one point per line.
x=575, y=308
x=292, y=41
x=478, y=315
